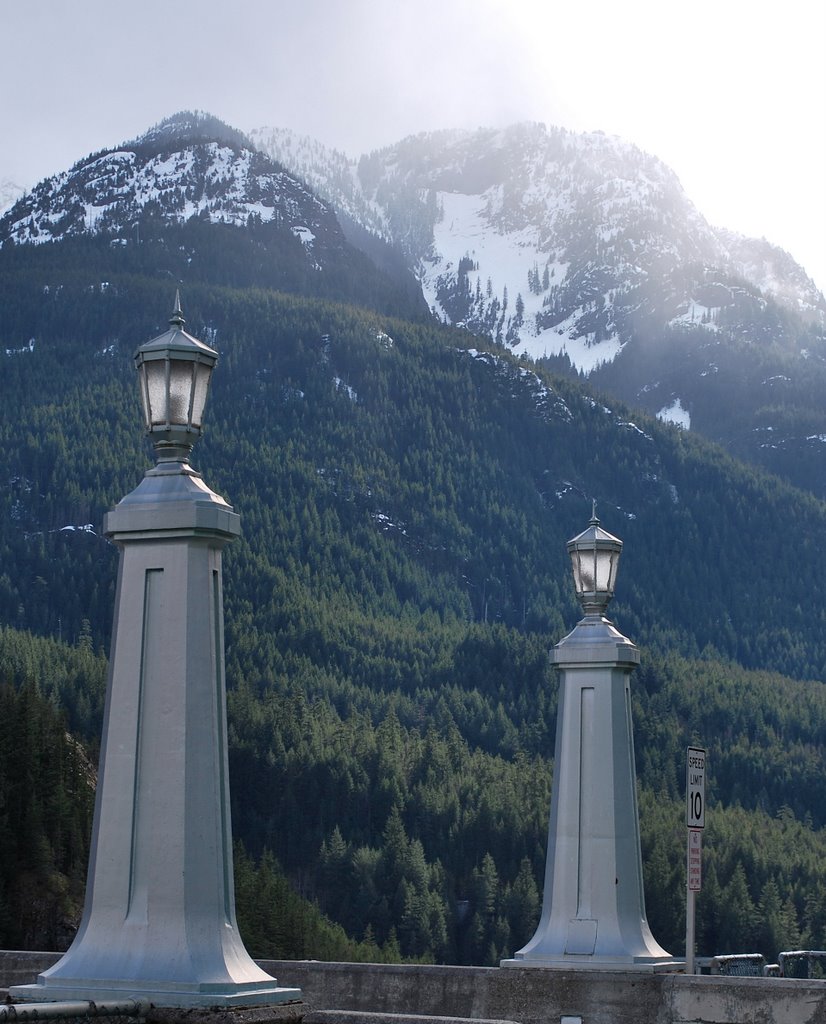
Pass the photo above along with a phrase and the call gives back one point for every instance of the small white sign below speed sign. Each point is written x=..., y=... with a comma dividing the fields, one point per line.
x=695, y=787
x=695, y=860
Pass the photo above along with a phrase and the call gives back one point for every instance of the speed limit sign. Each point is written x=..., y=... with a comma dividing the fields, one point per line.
x=695, y=787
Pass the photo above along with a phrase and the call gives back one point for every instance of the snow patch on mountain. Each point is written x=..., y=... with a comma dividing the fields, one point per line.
x=24, y=350
x=346, y=389
x=694, y=314
x=499, y=274
x=676, y=414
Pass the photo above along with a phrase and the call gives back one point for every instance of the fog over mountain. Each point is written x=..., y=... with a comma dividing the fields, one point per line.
x=559, y=221
x=584, y=252
x=10, y=192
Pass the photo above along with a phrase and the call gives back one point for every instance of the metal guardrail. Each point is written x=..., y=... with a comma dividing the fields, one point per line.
x=803, y=963
x=807, y=964
x=740, y=965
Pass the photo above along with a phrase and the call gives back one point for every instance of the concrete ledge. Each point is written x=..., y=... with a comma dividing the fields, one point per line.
x=361, y=1017
x=290, y=1013
x=529, y=995
x=19, y=967
x=538, y=996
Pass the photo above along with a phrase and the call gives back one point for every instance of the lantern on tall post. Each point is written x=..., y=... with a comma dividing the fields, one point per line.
x=593, y=910
x=159, y=917
x=174, y=371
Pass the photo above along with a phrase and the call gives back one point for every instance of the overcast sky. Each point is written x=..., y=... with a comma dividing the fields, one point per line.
x=730, y=93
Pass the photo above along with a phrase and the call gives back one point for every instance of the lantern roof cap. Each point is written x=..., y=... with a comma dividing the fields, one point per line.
x=176, y=340
x=594, y=535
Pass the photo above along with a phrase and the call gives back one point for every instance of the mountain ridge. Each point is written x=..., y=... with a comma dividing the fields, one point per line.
x=543, y=240
x=185, y=173
x=312, y=160
x=584, y=253
x=214, y=174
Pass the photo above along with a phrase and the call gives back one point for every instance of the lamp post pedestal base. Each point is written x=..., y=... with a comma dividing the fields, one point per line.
x=204, y=997
x=643, y=965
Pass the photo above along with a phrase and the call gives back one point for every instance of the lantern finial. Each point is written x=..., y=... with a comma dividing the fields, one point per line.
x=177, y=318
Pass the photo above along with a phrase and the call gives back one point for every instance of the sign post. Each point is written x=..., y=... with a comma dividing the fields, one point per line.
x=695, y=819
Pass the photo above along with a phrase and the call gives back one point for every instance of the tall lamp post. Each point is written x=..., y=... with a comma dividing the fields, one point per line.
x=593, y=910
x=159, y=918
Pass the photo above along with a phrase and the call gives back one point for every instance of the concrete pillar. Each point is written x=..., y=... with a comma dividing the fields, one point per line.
x=159, y=918
x=593, y=910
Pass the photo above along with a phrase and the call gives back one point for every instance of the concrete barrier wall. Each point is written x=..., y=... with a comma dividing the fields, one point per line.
x=534, y=996
x=21, y=968
x=530, y=996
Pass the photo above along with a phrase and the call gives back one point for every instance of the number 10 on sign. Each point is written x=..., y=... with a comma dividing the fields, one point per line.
x=695, y=787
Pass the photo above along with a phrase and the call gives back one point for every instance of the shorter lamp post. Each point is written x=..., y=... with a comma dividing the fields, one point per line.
x=593, y=910
x=159, y=918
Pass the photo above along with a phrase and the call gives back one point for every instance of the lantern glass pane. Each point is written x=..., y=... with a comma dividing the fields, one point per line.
x=584, y=571
x=202, y=374
x=603, y=570
x=595, y=570
x=180, y=390
x=612, y=573
x=147, y=415
x=155, y=371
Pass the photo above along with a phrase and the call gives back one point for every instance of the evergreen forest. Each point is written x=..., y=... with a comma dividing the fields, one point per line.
x=406, y=491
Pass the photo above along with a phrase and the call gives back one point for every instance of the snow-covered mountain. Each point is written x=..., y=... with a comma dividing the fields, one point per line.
x=547, y=240
x=585, y=252
x=192, y=173
x=578, y=250
x=190, y=165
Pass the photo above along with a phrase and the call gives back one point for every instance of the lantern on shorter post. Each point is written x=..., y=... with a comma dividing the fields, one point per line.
x=593, y=909
x=174, y=370
x=595, y=556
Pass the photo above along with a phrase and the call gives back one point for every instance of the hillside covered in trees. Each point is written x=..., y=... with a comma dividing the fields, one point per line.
x=406, y=493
